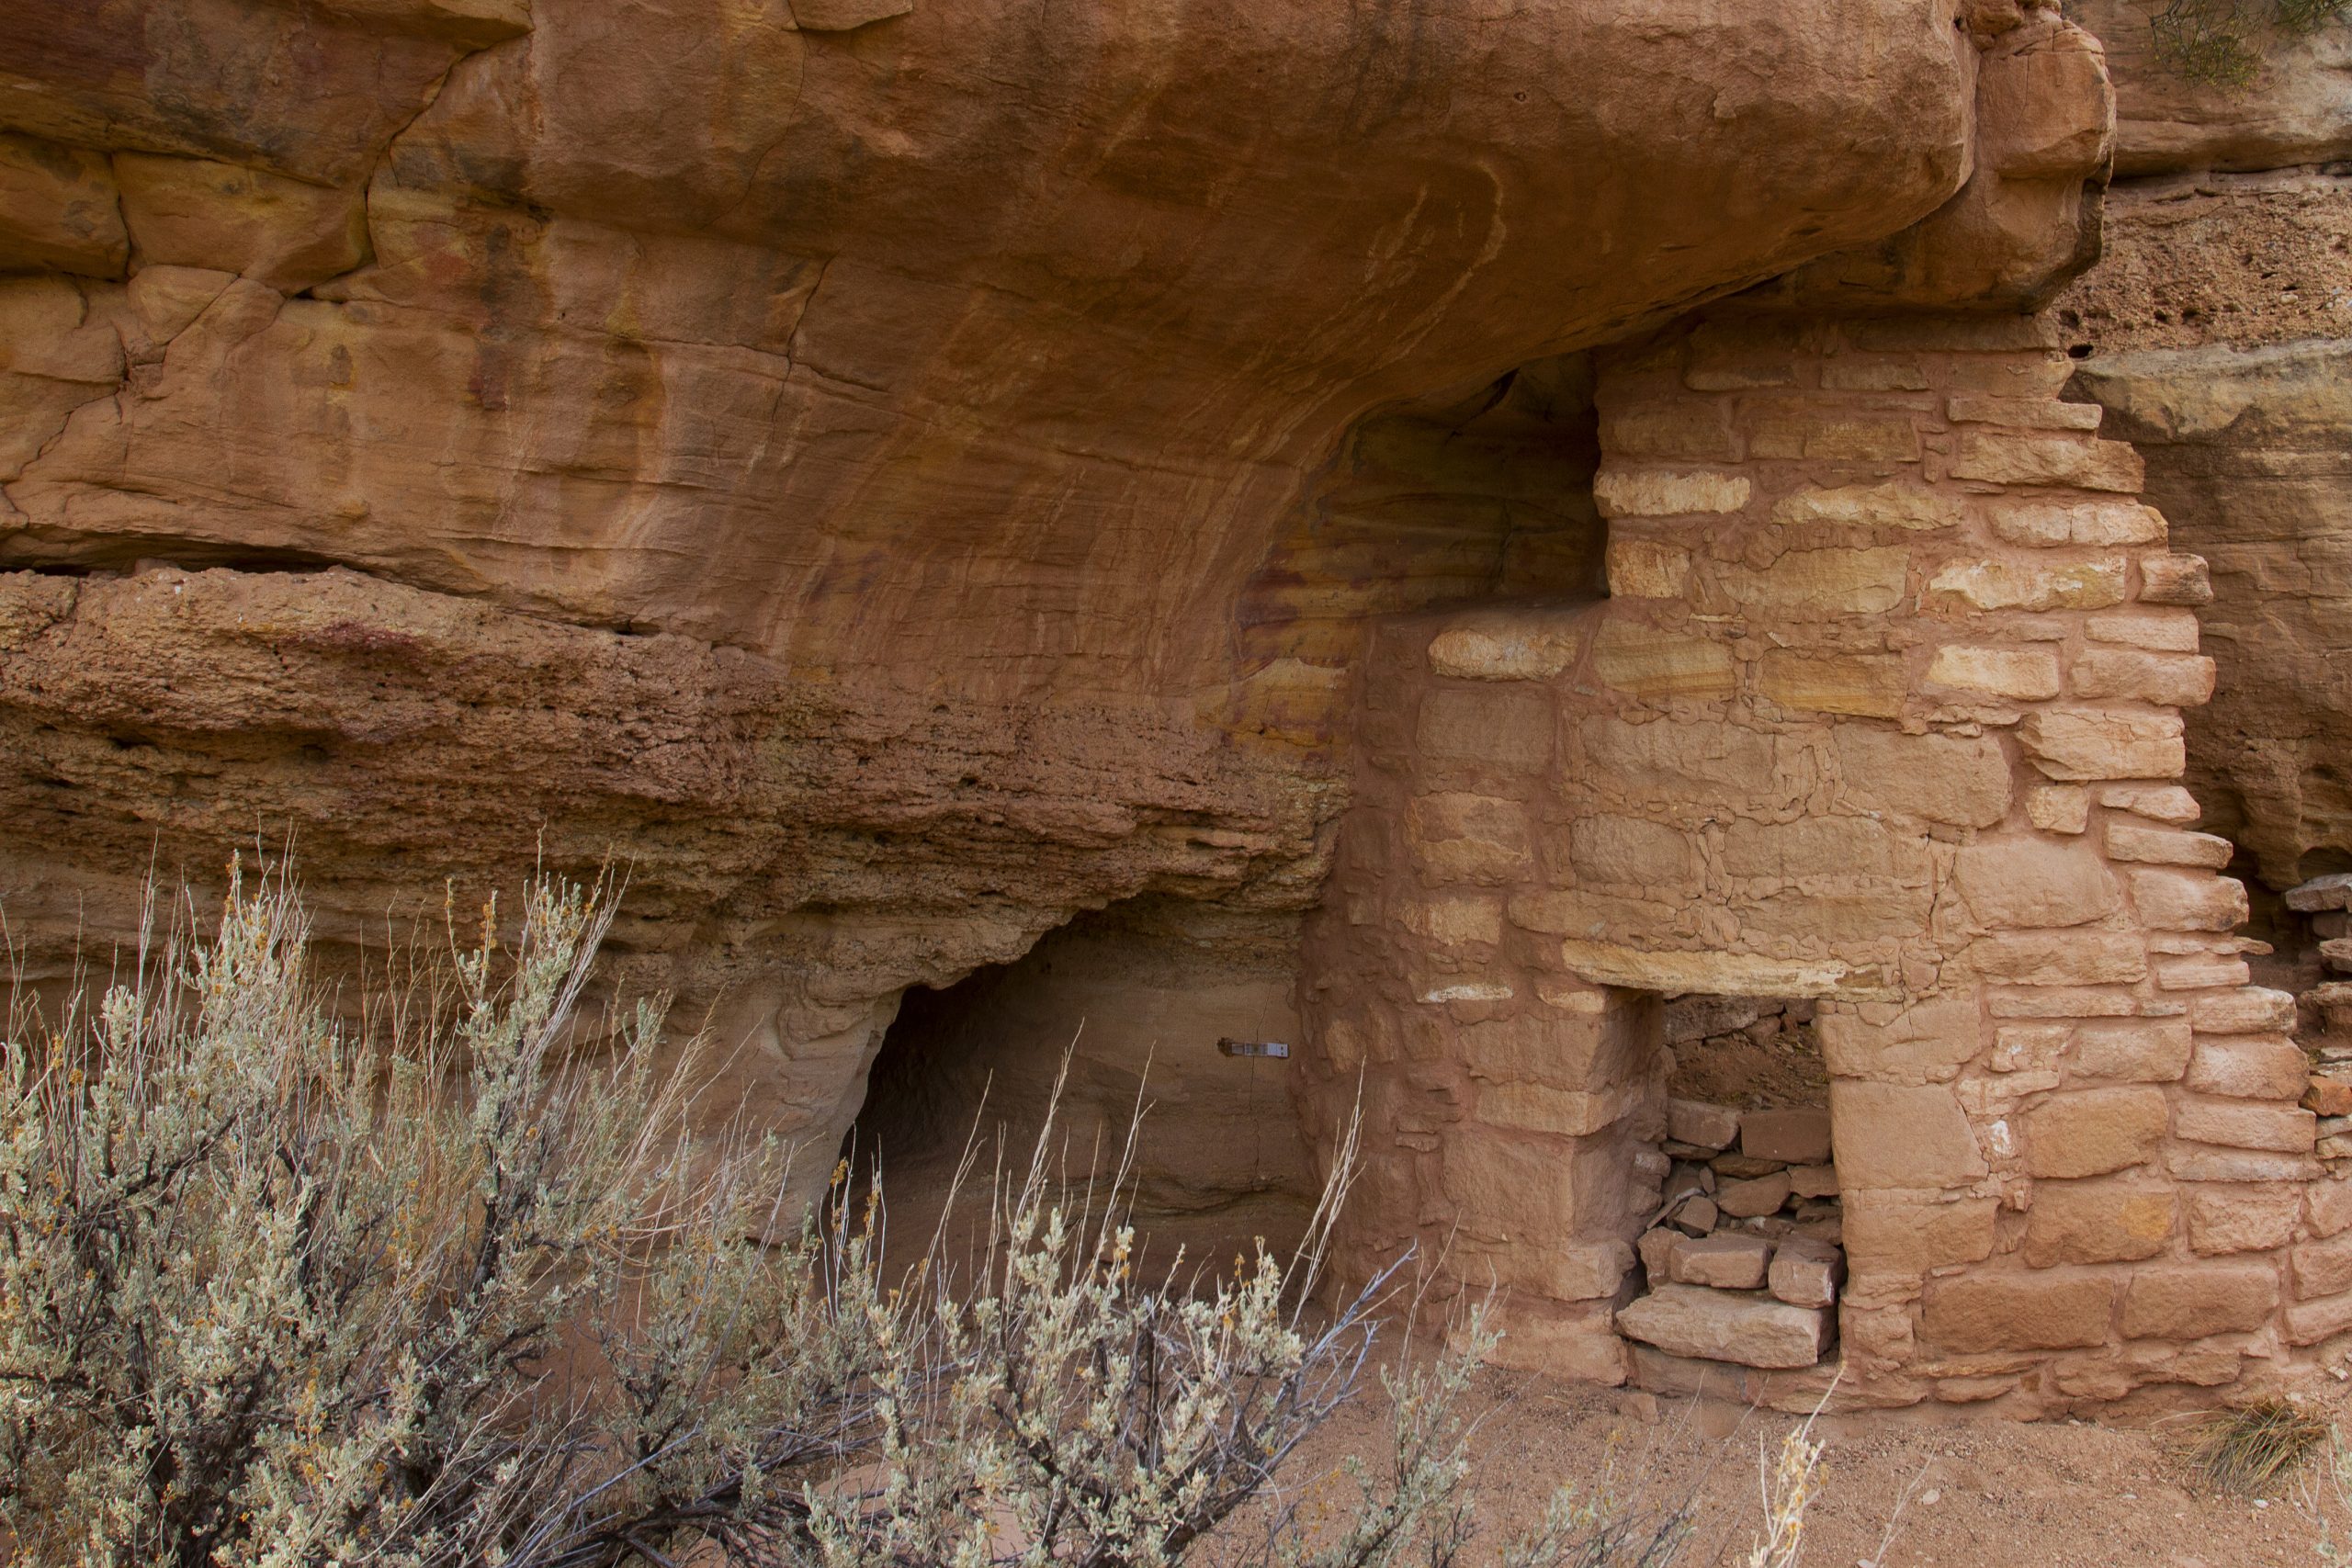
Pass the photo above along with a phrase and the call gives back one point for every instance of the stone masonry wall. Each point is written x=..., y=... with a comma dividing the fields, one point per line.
x=1883, y=710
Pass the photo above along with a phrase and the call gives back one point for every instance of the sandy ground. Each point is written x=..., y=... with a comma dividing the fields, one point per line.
x=1929, y=1488
x=1899, y=1490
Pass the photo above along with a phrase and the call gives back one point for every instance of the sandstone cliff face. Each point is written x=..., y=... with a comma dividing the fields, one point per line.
x=857, y=462
x=2215, y=330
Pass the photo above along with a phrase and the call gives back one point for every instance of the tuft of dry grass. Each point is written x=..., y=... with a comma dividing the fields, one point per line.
x=2251, y=1450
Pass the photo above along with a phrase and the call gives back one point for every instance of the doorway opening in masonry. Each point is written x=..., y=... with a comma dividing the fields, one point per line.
x=1744, y=1260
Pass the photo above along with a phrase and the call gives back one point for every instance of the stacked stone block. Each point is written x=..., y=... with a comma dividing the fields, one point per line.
x=1884, y=710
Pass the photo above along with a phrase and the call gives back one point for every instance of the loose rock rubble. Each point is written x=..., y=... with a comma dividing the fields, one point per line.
x=1745, y=1259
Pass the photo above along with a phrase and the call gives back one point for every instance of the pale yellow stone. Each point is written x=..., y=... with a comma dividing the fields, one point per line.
x=1651, y=661
x=2162, y=803
x=1730, y=974
x=2005, y=456
x=2167, y=631
x=1892, y=505
x=1501, y=646
x=1667, y=492
x=2081, y=744
x=2029, y=585
x=1867, y=685
x=2058, y=808
x=2029, y=674
x=1648, y=569
x=1819, y=585
x=2022, y=413
x=2048, y=524
x=1455, y=923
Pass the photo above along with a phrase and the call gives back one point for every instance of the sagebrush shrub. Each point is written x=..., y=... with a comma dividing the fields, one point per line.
x=460, y=1286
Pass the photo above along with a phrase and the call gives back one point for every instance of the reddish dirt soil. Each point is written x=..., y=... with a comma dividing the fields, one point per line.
x=1960, y=1492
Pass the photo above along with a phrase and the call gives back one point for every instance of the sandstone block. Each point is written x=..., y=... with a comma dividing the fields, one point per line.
x=2168, y=679
x=1630, y=851
x=1867, y=685
x=1893, y=505
x=2202, y=972
x=2002, y=457
x=1697, y=1017
x=1648, y=569
x=1904, y=1240
x=1719, y=1326
x=2166, y=846
x=2027, y=674
x=2308, y=1323
x=1741, y=1168
x=2251, y=1009
x=2251, y=1067
x=1651, y=661
x=2092, y=1131
x=1862, y=373
x=59, y=210
x=2324, y=1094
x=1812, y=1180
x=2321, y=1268
x=1821, y=847
x=2238, y=1219
x=2241, y=1126
x=2189, y=1300
x=283, y=232
x=1819, y=585
x=1786, y=428
x=2327, y=1206
x=1469, y=838
x=2022, y=883
x=2097, y=1222
x=2035, y=1047
x=1698, y=1122
x=1667, y=492
x=2046, y=524
x=2161, y=803
x=2331, y=892
x=2021, y=414
x=1896, y=1135
x=2143, y=1050
x=1505, y=728
x=1926, y=1042
x=1696, y=1216
x=1726, y=1261
x=2058, y=808
x=2186, y=901
x=1499, y=646
x=2193, y=1163
x=1960, y=780
x=1673, y=970
x=1753, y=1198
x=1806, y=1273
x=2079, y=744
x=1795, y=1136
x=1689, y=429
x=1657, y=1252
x=2168, y=631
x=2058, y=958
x=2029, y=1310
x=2030, y=586
x=2175, y=580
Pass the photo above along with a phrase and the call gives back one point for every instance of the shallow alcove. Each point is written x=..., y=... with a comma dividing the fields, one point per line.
x=1140, y=997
